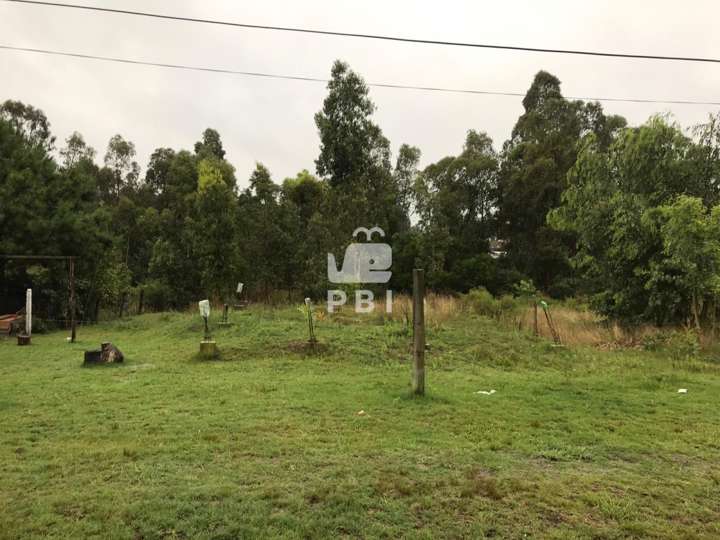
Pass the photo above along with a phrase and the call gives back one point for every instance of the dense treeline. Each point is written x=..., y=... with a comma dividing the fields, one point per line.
x=575, y=201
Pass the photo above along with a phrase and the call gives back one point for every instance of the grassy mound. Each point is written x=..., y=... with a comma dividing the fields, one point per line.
x=575, y=442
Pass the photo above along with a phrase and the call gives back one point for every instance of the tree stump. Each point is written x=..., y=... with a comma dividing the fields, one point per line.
x=93, y=357
x=208, y=349
x=23, y=339
x=110, y=353
x=107, y=354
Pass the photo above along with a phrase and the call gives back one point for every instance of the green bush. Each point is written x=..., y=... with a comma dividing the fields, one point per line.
x=509, y=305
x=683, y=345
x=480, y=301
x=40, y=326
x=576, y=303
x=654, y=342
x=525, y=288
x=158, y=295
x=563, y=288
x=678, y=344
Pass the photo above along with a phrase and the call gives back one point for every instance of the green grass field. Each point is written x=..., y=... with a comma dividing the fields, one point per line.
x=268, y=442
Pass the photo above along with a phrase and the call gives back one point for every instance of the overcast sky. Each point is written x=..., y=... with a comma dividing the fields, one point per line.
x=271, y=121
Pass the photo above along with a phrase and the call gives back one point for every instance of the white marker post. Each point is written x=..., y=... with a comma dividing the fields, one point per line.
x=208, y=348
x=28, y=312
x=23, y=338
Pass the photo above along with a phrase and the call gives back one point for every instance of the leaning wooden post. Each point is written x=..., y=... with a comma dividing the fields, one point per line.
x=72, y=300
x=553, y=330
x=418, y=378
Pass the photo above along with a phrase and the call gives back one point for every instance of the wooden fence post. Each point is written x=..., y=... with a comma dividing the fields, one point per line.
x=418, y=376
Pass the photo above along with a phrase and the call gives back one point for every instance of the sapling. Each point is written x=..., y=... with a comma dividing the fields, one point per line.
x=307, y=309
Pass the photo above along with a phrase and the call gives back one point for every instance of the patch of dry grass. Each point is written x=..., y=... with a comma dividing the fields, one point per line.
x=576, y=324
x=575, y=327
x=439, y=308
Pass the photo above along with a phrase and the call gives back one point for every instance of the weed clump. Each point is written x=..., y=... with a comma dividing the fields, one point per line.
x=481, y=302
x=678, y=344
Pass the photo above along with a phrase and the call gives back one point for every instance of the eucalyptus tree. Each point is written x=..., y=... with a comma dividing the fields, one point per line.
x=122, y=171
x=355, y=159
x=456, y=201
x=535, y=163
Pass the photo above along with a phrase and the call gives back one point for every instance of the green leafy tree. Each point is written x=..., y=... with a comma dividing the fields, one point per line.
x=705, y=159
x=210, y=146
x=216, y=238
x=196, y=251
x=352, y=147
x=46, y=209
x=533, y=176
x=611, y=204
x=456, y=198
x=355, y=160
x=76, y=150
x=29, y=122
x=266, y=243
x=304, y=202
x=122, y=171
x=405, y=176
x=691, y=240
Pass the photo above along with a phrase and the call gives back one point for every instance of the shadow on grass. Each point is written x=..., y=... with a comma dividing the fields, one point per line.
x=306, y=348
x=106, y=365
x=224, y=354
x=427, y=400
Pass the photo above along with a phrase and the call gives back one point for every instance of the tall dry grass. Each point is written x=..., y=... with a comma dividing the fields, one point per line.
x=439, y=308
x=581, y=326
x=577, y=325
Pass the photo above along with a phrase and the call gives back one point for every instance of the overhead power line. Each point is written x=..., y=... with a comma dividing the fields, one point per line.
x=321, y=80
x=367, y=36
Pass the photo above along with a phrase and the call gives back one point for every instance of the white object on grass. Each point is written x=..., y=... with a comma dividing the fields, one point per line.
x=239, y=287
x=682, y=391
x=486, y=392
x=307, y=302
x=204, y=306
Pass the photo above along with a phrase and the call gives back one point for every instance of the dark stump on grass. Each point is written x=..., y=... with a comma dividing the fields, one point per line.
x=110, y=353
x=107, y=354
x=92, y=357
x=208, y=349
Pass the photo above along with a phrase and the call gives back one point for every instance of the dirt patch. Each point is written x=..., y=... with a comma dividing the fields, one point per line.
x=306, y=348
